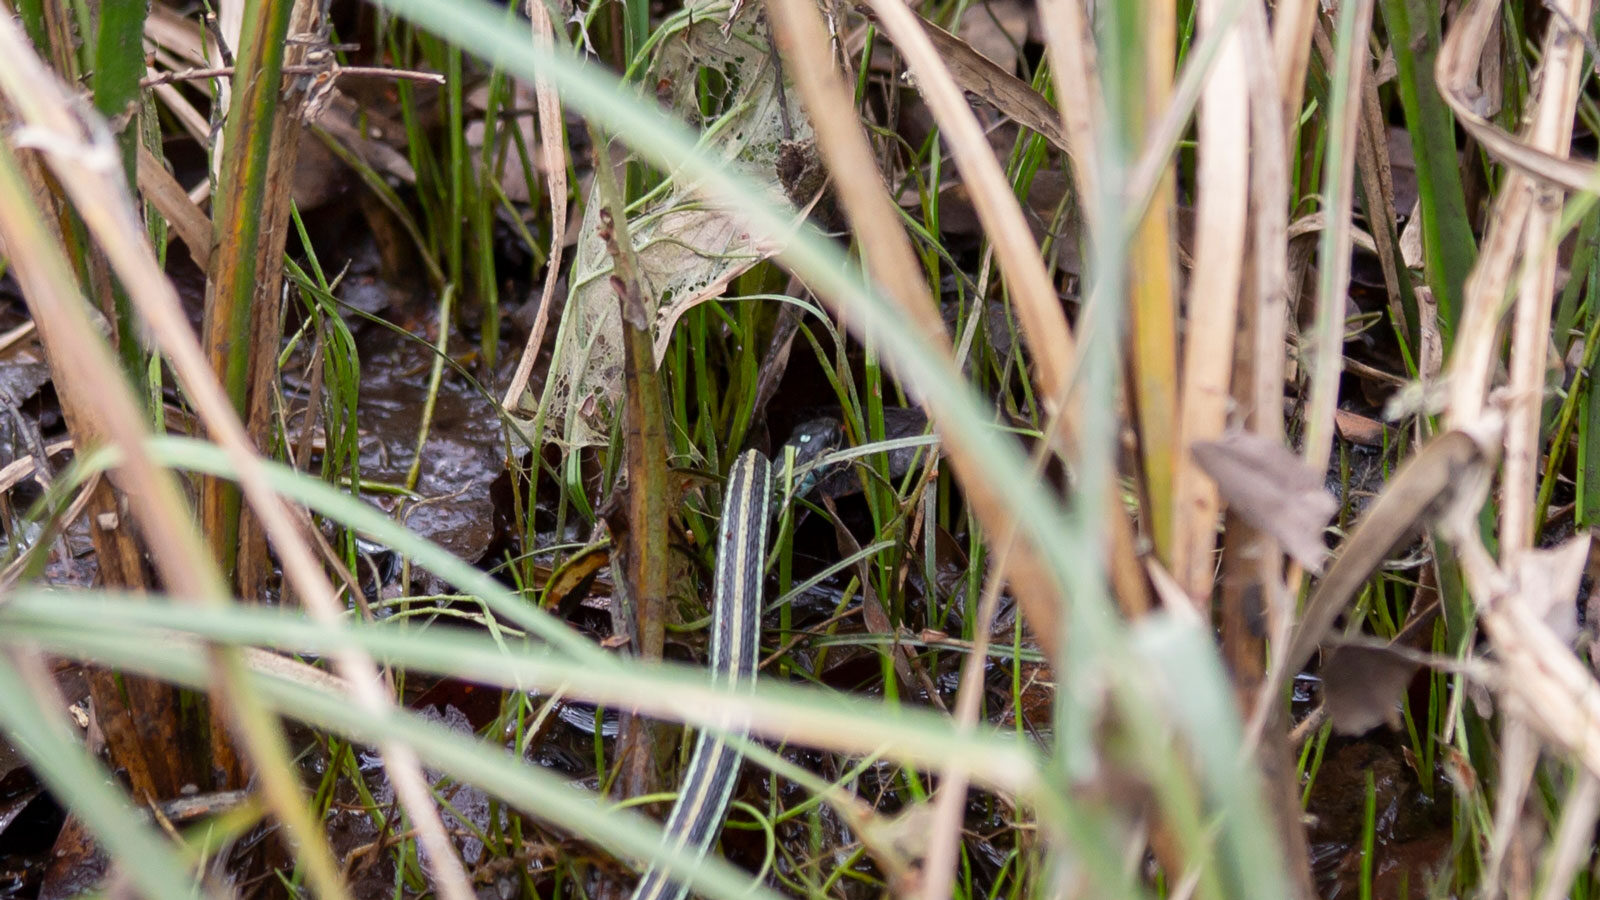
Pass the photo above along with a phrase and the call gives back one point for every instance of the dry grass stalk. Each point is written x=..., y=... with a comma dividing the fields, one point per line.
x=555, y=169
x=1152, y=318
x=939, y=866
x=153, y=774
x=1214, y=288
x=1574, y=838
x=1072, y=57
x=1551, y=132
x=1266, y=312
x=1377, y=181
x=803, y=40
x=1293, y=23
x=1545, y=686
x=1519, y=756
x=874, y=220
x=1039, y=309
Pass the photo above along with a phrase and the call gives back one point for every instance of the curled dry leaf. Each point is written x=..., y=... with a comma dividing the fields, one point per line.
x=1363, y=681
x=689, y=246
x=1444, y=483
x=997, y=29
x=1459, y=57
x=1548, y=581
x=1362, y=686
x=1273, y=490
x=977, y=74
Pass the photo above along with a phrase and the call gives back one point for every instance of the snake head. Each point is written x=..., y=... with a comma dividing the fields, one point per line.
x=814, y=438
x=810, y=441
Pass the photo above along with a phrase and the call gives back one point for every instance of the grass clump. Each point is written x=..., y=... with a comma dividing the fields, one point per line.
x=1203, y=389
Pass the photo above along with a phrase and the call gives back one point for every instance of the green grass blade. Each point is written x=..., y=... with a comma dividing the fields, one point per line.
x=61, y=762
x=1447, y=243
x=534, y=790
x=808, y=715
x=118, y=66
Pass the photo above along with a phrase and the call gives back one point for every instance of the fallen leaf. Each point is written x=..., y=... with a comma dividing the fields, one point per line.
x=1001, y=89
x=1358, y=429
x=1548, y=581
x=573, y=581
x=1272, y=489
x=996, y=30
x=1362, y=686
x=516, y=113
x=1443, y=484
x=76, y=863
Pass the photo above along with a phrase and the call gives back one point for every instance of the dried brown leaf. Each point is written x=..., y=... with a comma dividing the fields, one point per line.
x=1359, y=429
x=997, y=30
x=975, y=73
x=1362, y=686
x=168, y=196
x=1548, y=581
x=1442, y=483
x=1273, y=490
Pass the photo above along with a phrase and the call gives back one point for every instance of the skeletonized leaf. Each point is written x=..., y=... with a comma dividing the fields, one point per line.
x=689, y=245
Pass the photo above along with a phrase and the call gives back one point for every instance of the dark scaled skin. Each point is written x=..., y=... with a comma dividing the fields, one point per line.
x=810, y=440
x=813, y=438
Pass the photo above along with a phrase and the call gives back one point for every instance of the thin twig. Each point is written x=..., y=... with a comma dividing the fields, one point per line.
x=195, y=74
x=551, y=138
x=10, y=338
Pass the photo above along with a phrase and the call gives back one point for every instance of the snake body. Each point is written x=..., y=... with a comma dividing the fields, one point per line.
x=696, y=817
x=702, y=803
